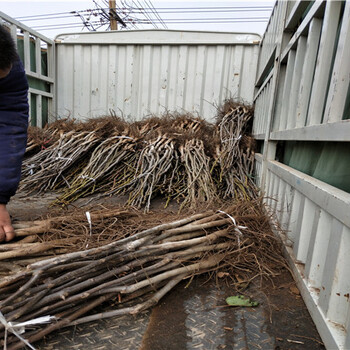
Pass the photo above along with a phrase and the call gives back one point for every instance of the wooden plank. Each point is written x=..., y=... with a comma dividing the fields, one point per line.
x=308, y=71
x=286, y=90
x=339, y=131
x=40, y=77
x=30, y=107
x=280, y=209
x=270, y=185
x=279, y=99
x=51, y=61
x=13, y=30
x=287, y=206
x=297, y=75
x=261, y=88
x=316, y=7
x=295, y=220
x=347, y=340
x=334, y=201
x=315, y=263
x=38, y=56
x=296, y=13
x=51, y=72
x=332, y=335
x=331, y=261
x=267, y=67
x=275, y=194
x=24, y=27
x=339, y=298
x=313, y=232
x=259, y=136
x=26, y=52
x=324, y=61
x=304, y=225
x=39, y=111
x=40, y=92
x=340, y=81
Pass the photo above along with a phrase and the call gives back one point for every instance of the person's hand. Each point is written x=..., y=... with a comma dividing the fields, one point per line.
x=7, y=233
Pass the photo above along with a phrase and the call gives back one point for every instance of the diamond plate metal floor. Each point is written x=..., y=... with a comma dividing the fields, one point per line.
x=192, y=318
x=122, y=333
x=196, y=318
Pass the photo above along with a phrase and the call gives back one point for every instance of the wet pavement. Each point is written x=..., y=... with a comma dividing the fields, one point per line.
x=194, y=315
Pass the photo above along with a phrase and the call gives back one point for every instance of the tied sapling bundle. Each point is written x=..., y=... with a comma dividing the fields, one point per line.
x=179, y=157
x=236, y=156
x=134, y=272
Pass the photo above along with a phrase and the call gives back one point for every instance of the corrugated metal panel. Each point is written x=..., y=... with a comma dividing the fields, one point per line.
x=141, y=72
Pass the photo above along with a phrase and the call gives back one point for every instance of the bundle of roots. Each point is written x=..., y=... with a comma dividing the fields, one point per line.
x=135, y=269
x=180, y=157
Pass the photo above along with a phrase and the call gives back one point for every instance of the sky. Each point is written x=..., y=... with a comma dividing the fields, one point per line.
x=55, y=15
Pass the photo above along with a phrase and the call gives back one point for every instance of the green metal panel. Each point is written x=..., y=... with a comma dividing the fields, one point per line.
x=325, y=161
x=36, y=83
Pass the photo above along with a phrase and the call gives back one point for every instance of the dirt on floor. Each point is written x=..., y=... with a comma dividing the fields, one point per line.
x=198, y=315
x=194, y=315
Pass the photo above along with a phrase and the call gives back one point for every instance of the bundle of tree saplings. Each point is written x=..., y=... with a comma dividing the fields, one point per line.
x=132, y=273
x=179, y=157
x=74, y=231
x=237, y=151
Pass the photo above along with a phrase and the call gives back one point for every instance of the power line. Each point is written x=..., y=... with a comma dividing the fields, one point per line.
x=195, y=20
x=143, y=12
x=159, y=10
x=71, y=25
x=216, y=21
x=127, y=17
x=156, y=14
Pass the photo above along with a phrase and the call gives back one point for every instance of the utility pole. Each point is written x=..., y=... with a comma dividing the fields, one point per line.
x=112, y=15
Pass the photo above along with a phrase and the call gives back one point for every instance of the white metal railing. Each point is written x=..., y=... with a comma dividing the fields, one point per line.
x=316, y=220
x=41, y=83
x=262, y=101
x=304, y=98
x=269, y=42
x=315, y=84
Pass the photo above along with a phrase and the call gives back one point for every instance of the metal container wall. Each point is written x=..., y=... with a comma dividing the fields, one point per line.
x=136, y=73
x=303, y=94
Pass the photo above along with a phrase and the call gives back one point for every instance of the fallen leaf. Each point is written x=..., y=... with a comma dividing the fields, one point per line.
x=241, y=300
x=294, y=290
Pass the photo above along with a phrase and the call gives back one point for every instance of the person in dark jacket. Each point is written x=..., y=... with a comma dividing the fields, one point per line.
x=13, y=126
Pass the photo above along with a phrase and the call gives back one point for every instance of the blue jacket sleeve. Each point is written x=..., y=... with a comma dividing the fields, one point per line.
x=13, y=129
